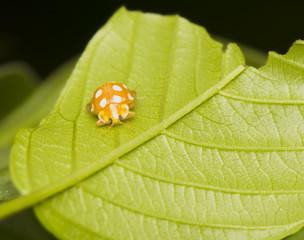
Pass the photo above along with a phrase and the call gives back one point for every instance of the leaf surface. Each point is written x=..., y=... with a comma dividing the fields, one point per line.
x=217, y=152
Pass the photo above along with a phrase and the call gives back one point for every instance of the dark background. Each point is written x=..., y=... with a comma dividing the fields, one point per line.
x=46, y=33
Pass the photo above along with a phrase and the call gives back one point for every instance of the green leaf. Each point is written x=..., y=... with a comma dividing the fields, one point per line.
x=217, y=152
x=17, y=81
x=28, y=114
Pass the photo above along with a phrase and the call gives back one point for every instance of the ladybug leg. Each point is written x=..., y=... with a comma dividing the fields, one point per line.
x=126, y=119
x=131, y=114
x=100, y=123
x=107, y=129
x=132, y=104
x=133, y=128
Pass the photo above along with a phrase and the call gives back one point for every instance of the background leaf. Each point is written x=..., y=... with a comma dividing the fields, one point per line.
x=25, y=226
x=17, y=81
x=39, y=105
x=297, y=236
x=28, y=114
x=7, y=188
x=231, y=168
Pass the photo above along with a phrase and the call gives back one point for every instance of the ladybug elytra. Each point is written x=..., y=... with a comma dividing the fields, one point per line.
x=112, y=102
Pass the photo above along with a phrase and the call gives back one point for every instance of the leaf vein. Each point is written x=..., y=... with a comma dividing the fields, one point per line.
x=55, y=212
x=203, y=186
x=285, y=60
x=230, y=148
x=262, y=101
x=184, y=222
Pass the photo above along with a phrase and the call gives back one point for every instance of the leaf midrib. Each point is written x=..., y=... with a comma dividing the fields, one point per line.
x=80, y=174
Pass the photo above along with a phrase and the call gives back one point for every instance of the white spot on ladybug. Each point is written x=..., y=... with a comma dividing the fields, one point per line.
x=114, y=111
x=92, y=107
x=117, y=88
x=98, y=93
x=125, y=86
x=103, y=103
x=130, y=97
x=116, y=99
x=127, y=112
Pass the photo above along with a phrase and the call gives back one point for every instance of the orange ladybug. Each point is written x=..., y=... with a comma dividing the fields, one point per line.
x=112, y=102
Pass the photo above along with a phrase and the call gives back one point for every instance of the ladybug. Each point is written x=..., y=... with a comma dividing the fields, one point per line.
x=112, y=102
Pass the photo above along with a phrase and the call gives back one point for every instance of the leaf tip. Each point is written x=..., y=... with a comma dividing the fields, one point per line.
x=299, y=42
x=123, y=8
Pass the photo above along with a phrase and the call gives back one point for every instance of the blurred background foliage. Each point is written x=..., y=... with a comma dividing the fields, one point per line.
x=38, y=40
x=46, y=33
